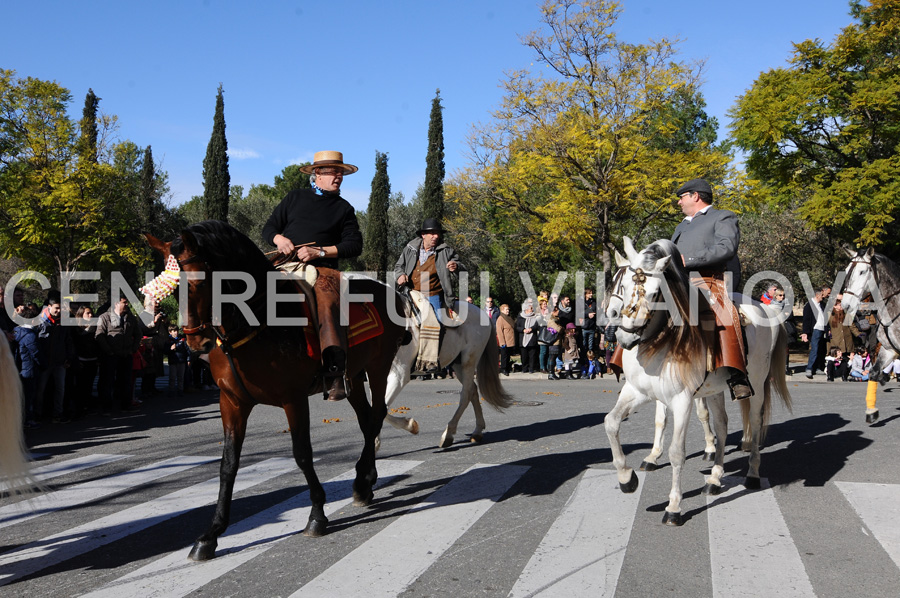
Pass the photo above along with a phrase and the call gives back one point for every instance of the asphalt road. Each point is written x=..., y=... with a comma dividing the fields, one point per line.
x=532, y=510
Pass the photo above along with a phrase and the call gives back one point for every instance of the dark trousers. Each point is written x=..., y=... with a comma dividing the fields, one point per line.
x=504, y=360
x=530, y=359
x=115, y=386
x=84, y=399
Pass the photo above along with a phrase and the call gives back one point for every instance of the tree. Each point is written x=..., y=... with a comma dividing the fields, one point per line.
x=148, y=185
x=823, y=134
x=87, y=143
x=595, y=149
x=375, y=241
x=215, y=166
x=434, y=162
x=59, y=211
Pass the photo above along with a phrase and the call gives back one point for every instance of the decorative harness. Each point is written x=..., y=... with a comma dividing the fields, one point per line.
x=638, y=298
x=887, y=326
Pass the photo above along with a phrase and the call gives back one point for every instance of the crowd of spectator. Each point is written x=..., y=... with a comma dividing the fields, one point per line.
x=95, y=365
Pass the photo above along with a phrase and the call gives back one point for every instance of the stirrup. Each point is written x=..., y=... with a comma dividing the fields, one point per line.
x=339, y=386
x=740, y=387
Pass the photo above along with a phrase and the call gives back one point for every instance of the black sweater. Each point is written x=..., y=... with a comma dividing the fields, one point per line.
x=304, y=217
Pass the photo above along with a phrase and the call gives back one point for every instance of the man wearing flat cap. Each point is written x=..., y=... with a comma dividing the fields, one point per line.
x=708, y=240
x=429, y=265
x=317, y=226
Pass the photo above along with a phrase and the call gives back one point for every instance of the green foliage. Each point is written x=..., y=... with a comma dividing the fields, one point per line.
x=63, y=205
x=434, y=162
x=216, y=178
x=375, y=247
x=824, y=133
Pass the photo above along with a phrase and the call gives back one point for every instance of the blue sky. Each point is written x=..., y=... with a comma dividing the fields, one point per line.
x=351, y=75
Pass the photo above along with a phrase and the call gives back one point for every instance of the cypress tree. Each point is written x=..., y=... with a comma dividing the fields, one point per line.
x=433, y=191
x=148, y=187
x=376, y=239
x=216, y=179
x=87, y=143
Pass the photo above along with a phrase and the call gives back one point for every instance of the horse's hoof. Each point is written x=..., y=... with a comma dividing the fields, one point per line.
x=315, y=528
x=203, y=550
x=413, y=427
x=648, y=466
x=709, y=456
x=446, y=441
x=871, y=418
x=673, y=519
x=751, y=483
x=712, y=489
x=476, y=438
x=631, y=485
x=746, y=447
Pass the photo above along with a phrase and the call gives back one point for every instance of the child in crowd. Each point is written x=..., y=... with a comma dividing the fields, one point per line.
x=836, y=365
x=593, y=368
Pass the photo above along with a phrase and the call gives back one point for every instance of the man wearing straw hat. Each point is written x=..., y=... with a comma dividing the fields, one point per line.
x=317, y=226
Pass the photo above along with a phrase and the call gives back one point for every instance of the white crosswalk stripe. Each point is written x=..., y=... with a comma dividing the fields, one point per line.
x=748, y=535
x=582, y=553
x=70, y=543
x=174, y=575
x=878, y=506
x=48, y=472
x=416, y=540
x=89, y=491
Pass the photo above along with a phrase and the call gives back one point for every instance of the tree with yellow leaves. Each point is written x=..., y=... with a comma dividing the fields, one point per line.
x=592, y=147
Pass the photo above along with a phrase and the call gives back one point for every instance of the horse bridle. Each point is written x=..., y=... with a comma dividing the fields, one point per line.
x=634, y=306
x=887, y=326
x=224, y=343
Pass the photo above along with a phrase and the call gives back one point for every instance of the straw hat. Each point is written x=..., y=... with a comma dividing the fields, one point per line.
x=328, y=158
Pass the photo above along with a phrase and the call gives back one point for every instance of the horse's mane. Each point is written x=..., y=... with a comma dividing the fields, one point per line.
x=225, y=248
x=886, y=264
x=685, y=341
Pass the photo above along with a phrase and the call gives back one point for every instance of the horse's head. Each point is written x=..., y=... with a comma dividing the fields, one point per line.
x=860, y=278
x=200, y=335
x=640, y=285
x=615, y=300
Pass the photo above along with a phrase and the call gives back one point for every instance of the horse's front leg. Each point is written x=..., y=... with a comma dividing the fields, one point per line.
x=370, y=418
x=659, y=429
x=680, y=408
x=628, y=399
x=297, y=413
x=720, y=421
x=234, y=424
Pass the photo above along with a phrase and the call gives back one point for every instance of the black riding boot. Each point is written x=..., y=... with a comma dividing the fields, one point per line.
x=334, y=361
x=739, y=385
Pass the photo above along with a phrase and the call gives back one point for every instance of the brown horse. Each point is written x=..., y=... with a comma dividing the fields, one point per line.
x=270, y=364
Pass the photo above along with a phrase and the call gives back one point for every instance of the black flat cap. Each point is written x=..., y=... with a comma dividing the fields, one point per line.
x=698, y=185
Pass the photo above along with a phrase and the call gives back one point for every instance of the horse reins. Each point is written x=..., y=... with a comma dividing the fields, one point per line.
x=633, y=306
x=887, y=327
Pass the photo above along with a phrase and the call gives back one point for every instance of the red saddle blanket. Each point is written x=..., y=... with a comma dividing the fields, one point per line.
x=365, y=324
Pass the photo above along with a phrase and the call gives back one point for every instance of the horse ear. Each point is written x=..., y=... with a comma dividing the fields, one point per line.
x=851, y=253
x=158, y=245
x=629, y=248
x=870, y=251
x=663, y=263
x=621, y=262
x=190, y=241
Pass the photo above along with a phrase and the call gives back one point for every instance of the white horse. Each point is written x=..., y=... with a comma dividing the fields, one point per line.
x=666, y=359
x=651, y=461
x=870, y=272
x=471, y=348
x=14, y=469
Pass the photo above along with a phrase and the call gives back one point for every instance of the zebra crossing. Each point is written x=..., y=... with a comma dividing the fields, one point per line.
x=581, y=553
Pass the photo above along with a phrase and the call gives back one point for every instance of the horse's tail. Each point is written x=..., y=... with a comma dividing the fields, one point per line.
x=488, y=374
x=14, y=470
x=776, y=379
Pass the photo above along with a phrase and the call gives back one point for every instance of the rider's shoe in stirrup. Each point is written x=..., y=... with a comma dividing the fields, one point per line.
x=740, y=387
x=336, y=390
